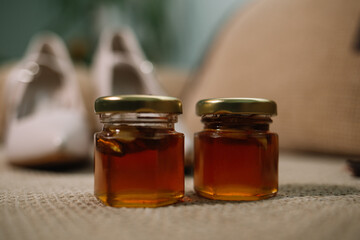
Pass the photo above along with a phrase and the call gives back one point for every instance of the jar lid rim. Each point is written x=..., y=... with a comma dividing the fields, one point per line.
x=138, y=103
x=236, y=105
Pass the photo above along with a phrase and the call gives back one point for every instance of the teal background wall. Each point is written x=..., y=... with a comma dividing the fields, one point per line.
x=173, y=32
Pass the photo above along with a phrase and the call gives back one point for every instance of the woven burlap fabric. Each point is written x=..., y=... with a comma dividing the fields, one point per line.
x=318, y=199
x=300, y=53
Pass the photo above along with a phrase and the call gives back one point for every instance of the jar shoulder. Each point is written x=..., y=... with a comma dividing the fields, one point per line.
x=138, y=133
x=230, y=133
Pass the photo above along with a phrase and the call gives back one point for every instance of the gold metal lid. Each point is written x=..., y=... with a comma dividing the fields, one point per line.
x=138, y=103
x=236, y=105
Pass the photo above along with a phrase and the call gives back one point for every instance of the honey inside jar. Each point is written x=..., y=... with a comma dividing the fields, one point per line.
x=139, y=160
x=236, y=156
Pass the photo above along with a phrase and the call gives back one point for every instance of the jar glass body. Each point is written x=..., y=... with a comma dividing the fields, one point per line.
x=236, y=158
x=139, y=160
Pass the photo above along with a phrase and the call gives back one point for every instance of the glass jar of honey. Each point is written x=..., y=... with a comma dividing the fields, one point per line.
x=236, y=156
x=139, y=157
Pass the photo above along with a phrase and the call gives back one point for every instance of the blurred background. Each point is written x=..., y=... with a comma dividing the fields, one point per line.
x=300, y=53
x=174, y=35
x=171, y=32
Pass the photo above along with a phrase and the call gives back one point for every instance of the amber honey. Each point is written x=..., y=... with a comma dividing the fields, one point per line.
x=236, y=157
x=144, y=171
x=139, y=159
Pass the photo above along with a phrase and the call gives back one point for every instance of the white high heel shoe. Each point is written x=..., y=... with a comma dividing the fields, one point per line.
x=46, y=118
x=120, y=68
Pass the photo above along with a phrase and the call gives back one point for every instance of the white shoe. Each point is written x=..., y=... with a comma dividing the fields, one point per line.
x=47, y=123
x=120, y=68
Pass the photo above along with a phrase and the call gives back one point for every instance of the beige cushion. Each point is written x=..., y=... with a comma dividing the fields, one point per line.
x=4, y=71
x=299, y=53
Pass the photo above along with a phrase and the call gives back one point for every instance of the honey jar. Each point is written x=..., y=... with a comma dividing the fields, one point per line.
x=236, y=156
x=139, y=157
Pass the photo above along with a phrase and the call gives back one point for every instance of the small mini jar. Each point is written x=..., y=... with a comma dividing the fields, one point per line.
x=236, y=156
x=139, y=157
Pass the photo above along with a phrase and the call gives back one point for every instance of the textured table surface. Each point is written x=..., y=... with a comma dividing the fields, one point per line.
x=318, y=199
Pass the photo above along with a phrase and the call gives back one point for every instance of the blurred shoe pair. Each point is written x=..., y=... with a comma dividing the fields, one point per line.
x=49, y=121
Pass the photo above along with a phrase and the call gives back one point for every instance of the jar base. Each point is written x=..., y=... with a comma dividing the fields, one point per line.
x=238, y=196
x=139, y=200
